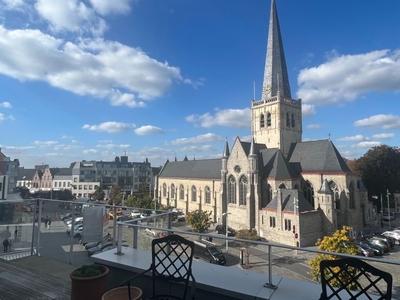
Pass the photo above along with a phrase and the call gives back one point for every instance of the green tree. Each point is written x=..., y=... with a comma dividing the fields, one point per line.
x=247, y=234
x=199, y=220
x=379, y=169
x=115, y=195
x=65, y=195
x=99, y=193
x=339, y=242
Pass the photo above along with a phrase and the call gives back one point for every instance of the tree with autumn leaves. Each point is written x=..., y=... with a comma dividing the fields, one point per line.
x=339, y=242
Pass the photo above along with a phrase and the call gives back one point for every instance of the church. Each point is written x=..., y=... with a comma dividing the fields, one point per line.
x=290, y=191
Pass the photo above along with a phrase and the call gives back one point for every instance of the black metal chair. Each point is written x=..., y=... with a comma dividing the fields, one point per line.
x=350, y=278
x=172, y=258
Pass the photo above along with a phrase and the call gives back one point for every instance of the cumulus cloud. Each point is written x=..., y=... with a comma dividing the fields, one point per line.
x=383, y=136
x=111, y=7
x=200, y=139
x=354, y=138
x=345, y=77
x=313, y=126
x=5, y=104
x=368, y=144
x=90, y=151
x=114, y=146
x=92, y=67
x=12, y=4
x=308, y=110
x=148, y=130
x=236, y=118
x=70, y=15
x=110, y=127
x=197, y=149
x=380, y=121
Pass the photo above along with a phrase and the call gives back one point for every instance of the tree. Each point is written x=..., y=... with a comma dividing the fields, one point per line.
x=99, y=193
x=247, y=234
x=379, y=169
x=339, y=242
x=65, y=195
x=199, y=220
x=115, y=195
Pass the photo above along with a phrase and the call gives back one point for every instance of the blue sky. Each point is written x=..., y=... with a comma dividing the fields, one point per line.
x=94, y=79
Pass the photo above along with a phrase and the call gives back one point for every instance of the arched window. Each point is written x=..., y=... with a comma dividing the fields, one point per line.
x=164, y=190
x=194, y=193
x=282, y=186
x=208, y=195
x=172, y=191
x=287, y=120
x=181, y=192
x=242, y=190
x=296, y=186
x=336, y=196
x=262, y=121
x=293, y=122
x=308, y=192
x=232, y=190
x=268, y=119
x=352, y=196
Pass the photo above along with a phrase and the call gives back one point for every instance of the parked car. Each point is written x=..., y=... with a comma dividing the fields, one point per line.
x=385, y=246
x=221, y=229
x=393, y=234
x=366, y=251
x=65, y=216
x=209, y=253
x=389, y=240
x=98, y=248
x=123, y=218
x=135, y=213
x=181, y=217
x=77, y=219
x=366, y=243
x=76, y=227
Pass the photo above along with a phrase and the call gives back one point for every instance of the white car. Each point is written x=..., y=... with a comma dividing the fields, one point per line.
x=135, y=214
x=77, y=219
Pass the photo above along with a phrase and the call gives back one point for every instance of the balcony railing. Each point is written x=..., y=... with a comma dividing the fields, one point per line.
x=264, y=267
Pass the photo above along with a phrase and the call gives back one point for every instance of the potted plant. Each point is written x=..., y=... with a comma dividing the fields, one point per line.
x=88, y=282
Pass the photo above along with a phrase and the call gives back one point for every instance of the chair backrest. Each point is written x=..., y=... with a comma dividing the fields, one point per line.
x=350, y=278
x=172, y=258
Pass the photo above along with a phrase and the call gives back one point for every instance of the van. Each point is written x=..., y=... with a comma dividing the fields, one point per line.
x=209, y=252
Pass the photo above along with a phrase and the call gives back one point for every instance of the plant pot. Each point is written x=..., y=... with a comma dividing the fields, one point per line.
x=121, y=293
x=89, y=288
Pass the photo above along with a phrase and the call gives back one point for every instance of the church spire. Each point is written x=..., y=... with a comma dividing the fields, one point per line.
x=275, y=73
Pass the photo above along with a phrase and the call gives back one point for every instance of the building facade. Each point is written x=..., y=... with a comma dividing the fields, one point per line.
x=290, y=191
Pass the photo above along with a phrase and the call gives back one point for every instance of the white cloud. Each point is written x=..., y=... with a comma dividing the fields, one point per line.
x=343, y=78
x=197, y=149
x=380, y=121
x=368, y=144
x=70, y=15
x=114, y=146
x=148, y=130
x=236, y=118
x=90, y=151
x=106, y=7
x=5, y=104
x=307, y=110
x=200, y=139
x=45, y=144
x=313, y=126
x=92, y=67
x=66, y=147
x=354, y=138
x=110, y=127
x=12, y=4
x=383, y=136
x=2, y=117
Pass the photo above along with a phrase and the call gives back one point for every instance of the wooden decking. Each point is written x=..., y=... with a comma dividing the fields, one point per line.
x=19, y=282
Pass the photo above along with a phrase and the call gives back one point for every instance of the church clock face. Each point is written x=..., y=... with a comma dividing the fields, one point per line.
x=237, y=169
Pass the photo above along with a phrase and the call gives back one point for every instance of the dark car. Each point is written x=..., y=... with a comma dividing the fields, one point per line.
x=221, y=229
x=98, y=248
x=209, y=252
x=365, y=243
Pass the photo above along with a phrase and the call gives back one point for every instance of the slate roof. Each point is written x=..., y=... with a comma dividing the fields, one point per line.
x=275, y=165
x=317, y=156
x=196, y=169
x=287, y=203
x=25, y=174
x=247, y=147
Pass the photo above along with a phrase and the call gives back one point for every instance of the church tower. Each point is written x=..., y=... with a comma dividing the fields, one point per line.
x=276, y=118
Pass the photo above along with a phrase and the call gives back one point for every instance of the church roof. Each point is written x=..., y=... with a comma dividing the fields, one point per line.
x=317, y=156
x=275, y=165
x=275, y=73
x=248, y=149
x=288, y=197
x=196, y=169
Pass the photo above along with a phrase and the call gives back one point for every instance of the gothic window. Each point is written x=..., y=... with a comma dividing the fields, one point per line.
x=287, y=120
x=336, y=196
x=208, y=195
x=293, y=122
x=309, y=193
x=288, y=224
x=262, y=121
x=242, y=190
x=172, y=191
x=194, y=193
x=272, y=222
x=282, y=186
x=164, y=190
x=268, y=119
x=181, y=193
x=266, y=195
x=352, y=196
x=232, y=190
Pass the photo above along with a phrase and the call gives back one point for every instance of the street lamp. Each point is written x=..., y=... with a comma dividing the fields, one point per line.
x=389, y=216
x=225, y=214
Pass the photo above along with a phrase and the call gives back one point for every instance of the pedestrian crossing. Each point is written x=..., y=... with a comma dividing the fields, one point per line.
x=18, y=253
